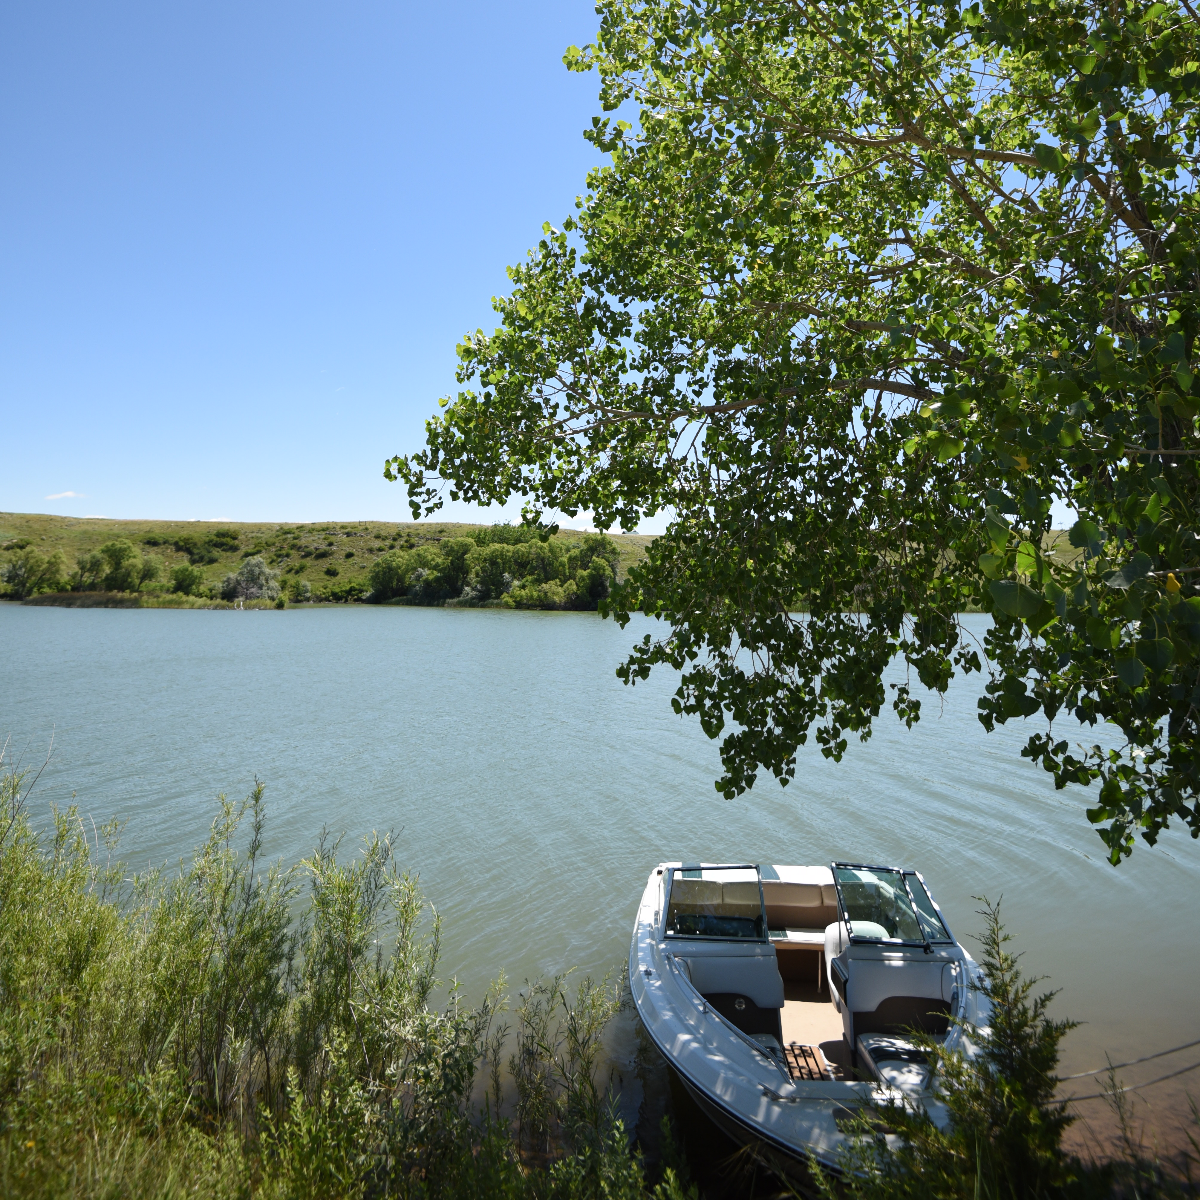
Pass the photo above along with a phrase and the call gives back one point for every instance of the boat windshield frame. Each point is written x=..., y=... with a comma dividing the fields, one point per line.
x=671, y=872
x=925, y=941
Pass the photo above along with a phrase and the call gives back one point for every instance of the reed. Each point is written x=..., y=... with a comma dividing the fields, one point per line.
x=183, y=1032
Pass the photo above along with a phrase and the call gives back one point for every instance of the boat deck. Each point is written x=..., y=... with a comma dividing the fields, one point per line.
x=812, y=1034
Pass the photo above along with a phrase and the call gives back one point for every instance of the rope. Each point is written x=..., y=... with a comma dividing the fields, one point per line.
x=1133, y=1087
x=1131, y=1063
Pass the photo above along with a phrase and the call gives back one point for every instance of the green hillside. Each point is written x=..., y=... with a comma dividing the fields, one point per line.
x=332, y=557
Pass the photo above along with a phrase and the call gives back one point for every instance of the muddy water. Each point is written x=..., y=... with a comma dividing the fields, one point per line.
x=533, y=792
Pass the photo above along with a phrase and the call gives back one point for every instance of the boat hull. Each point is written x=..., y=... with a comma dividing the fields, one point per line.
x=789, y=1119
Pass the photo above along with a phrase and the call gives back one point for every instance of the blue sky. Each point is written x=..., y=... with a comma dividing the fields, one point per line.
x=239, y=242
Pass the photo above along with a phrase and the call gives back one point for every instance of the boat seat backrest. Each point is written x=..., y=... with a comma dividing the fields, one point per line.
x=694, y=896
x=756, y=978
x=741, y=899
x=799, y=905
x=889, y=996
x=872, y=981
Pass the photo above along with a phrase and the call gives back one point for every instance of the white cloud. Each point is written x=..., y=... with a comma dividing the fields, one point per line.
x=67, y=496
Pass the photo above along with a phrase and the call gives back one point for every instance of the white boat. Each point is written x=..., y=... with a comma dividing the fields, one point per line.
x=784, y=997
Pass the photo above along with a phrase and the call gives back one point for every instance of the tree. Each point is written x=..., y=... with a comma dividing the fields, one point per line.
x=29, y=572
x=254, y=580
x=863, y=292
x=187, y=579
x=149, y=569
x=123, y=566
x=91, y=568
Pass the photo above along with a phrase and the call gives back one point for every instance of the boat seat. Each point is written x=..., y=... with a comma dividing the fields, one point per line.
x=695, y=896
x=886, y=997
x=799, y=905
x=755, y=978
x=801, y=939
x=741, y=899
x=896, y=1061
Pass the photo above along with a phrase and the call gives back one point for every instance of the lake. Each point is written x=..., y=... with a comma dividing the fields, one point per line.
x=533, y=792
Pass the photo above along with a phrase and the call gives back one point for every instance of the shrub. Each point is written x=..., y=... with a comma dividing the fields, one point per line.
x=122, y=566
x=349, y=590
x=491, y=566
x=30, y=572
x=1005, y=1132
x=198, y=550
x=332, y=572
x=187, y=579
x=185, y=1033
x=390, y=574
x=254, y=581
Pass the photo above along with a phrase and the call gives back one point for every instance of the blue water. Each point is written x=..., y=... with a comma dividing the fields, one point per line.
x=533, y=791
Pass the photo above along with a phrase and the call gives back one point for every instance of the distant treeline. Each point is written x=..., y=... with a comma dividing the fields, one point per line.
x=509, y=565
x=504, y=565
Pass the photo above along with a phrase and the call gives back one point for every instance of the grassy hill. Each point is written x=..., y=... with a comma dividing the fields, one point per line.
x=325, y=554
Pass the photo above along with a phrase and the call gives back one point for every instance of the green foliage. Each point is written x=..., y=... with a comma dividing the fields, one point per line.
x=1005, y=1127
x=254, y=580
x=187, y=579
x=212, y=1031
x=518, y=566
x=347, y=591
x=29, y=572
x=861, y=293
x=122, y=569
x=90, y=571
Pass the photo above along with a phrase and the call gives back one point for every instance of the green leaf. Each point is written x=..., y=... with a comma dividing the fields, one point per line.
x=1129, y=671
x=991, y=564
x=1101, y=634
x=1056, y=596
x=1156, y=653
x=1153, y=509
x=1174, y=349
x=1138, y=567
x=953, y=409
x=997, y=527
x=1085, y=535
x=1049, y=157
x=946, y=447
x=1015, y=598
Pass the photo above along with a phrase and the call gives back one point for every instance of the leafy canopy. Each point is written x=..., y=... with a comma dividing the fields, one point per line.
x=865, y=289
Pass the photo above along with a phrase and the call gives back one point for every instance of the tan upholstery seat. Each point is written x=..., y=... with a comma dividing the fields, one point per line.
x=799, y=905
x=695, y=896
x=741, y=899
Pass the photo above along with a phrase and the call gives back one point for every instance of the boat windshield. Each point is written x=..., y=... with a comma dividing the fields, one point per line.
x=878, y=907
x=716, y=902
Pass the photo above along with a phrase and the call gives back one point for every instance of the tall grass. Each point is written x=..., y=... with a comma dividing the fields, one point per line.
x=181, y=1032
